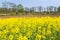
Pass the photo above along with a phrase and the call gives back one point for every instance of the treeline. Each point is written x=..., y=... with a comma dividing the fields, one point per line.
x=12, y=8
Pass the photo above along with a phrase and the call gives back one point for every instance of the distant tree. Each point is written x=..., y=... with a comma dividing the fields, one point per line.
x=51, y=8
x=27, y=10
x=20, y=8
x=55, y=10
x=4, y=6
x=32, y=9
x=43, y=9
x=9, y=7
x=58, y=9
x=12, y=6
x=47, y=10
x=40, y=9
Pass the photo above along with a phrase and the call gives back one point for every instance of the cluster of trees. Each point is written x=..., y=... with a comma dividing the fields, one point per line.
x=8, y=7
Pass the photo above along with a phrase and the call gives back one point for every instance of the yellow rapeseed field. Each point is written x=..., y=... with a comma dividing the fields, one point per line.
x=34, y=28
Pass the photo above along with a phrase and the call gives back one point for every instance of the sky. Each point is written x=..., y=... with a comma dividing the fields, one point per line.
x=34, y=3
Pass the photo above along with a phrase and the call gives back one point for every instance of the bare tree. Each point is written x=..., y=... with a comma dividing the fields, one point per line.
x=32, y=9
x=40, y=9
x=4, y=6
x=55, y=9
x=13, y=6
x=27, y=10
x=51, y=9
x=8, y=6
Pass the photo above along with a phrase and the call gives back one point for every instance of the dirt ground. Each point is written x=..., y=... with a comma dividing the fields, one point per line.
x=18, y=16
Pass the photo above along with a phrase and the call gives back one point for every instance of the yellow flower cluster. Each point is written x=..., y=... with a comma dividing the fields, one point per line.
x=34, y=28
